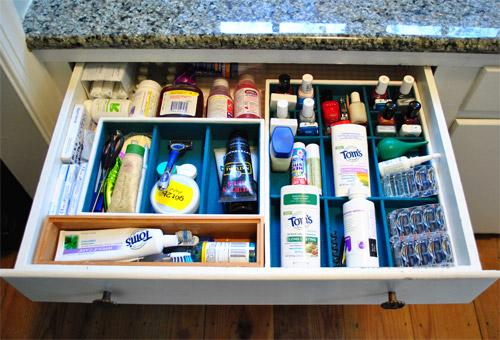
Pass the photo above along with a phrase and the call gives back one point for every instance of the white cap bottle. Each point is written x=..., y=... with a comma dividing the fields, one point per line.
x=405, y=88
x=383, y=82
x=282, y=109
x=360, y=228
x=307, y=112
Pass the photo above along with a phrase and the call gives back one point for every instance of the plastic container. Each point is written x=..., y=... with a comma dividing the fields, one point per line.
x=181, y=197
x=403, y=163
x=300, y=227
x=98, y=108
x=350, y=157
x=247, y=103
x=182, y=99
x=360, y=228
x=357, y=110
x=219, y=102
x=281, y=149
x=313, y=162
x=146, y=99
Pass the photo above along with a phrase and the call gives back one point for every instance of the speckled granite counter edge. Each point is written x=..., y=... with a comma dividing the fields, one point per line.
x=268, y=42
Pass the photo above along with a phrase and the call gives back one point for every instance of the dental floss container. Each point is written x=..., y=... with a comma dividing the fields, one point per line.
x=181, y=197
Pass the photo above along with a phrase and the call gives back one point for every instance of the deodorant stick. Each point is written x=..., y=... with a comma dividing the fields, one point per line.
x=300, y=226
x=350, y=157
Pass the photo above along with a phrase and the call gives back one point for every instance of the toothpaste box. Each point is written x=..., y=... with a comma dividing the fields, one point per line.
x=56, y=196
x=77, y=189
x=67, y=189
x=73, y=143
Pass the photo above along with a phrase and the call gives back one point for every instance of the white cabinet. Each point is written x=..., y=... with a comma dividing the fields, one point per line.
x=268, y=284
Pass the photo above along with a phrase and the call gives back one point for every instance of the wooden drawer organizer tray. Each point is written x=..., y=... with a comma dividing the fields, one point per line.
x=332, y=227
x=225, y=228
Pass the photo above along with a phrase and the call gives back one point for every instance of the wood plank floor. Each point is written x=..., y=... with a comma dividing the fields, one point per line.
x=23, y=319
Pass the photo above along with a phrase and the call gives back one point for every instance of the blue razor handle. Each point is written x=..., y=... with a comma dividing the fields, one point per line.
x=164, y=181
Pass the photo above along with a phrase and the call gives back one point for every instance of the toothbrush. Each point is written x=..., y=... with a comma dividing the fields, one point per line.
x=179, y=256
x=177, y=148
x=143, y=178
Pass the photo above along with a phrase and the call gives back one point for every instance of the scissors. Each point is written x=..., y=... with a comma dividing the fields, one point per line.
x=110, y=151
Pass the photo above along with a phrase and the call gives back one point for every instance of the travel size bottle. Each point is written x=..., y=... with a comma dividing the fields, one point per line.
x=357, y=110
x=183, y=98
x=360, y=228
x=247, y=98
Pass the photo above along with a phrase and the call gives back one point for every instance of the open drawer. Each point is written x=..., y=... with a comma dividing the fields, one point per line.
x=270, y=284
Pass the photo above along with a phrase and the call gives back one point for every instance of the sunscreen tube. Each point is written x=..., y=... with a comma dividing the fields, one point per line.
x=111, y=244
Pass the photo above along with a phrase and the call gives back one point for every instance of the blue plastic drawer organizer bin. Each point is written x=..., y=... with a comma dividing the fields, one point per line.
x=332, y=228
x=206, y=136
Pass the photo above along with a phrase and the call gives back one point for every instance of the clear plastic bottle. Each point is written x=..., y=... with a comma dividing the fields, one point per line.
x=360, y=228
x=219, y=102
x=182, y=99
x=247, y=98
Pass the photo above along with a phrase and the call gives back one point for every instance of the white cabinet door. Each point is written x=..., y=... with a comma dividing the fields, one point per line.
x=476, y=143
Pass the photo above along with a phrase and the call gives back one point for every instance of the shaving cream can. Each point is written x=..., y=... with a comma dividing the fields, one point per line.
x=300, y=226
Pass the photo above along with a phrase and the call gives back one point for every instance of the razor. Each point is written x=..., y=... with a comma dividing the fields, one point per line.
x=177, y=148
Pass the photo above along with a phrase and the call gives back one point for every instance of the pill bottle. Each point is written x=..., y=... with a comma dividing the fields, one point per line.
x=219, y=102
x=360, y=228
x=247, y=98
x=146, y=98
x=98, y=108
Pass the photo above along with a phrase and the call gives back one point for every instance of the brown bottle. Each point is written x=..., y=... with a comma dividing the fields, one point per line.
x=182, y=99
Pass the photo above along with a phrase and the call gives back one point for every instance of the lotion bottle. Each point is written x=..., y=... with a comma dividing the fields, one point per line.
x=360, y=228
x=357, y=110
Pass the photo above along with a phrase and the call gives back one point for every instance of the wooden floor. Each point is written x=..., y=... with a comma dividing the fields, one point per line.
x=23, y=319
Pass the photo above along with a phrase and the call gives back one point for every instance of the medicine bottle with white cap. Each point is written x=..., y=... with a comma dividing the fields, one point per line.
x=360, y=228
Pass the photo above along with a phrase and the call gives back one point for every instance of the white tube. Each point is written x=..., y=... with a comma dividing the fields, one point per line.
x=111, y=244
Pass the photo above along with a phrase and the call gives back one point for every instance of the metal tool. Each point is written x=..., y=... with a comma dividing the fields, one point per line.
x=110, y=151
x=177, y=148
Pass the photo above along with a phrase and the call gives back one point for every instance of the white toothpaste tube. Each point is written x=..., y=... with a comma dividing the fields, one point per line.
x=111, y=244
x=220, y=156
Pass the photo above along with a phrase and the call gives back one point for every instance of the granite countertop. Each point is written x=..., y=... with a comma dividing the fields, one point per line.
x=459, y=26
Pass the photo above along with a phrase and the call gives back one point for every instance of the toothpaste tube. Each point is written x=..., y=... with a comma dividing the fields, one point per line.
x=111, y=244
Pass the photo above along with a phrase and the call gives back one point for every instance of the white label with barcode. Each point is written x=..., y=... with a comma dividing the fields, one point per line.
x=226, y=252
x=179, y=102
